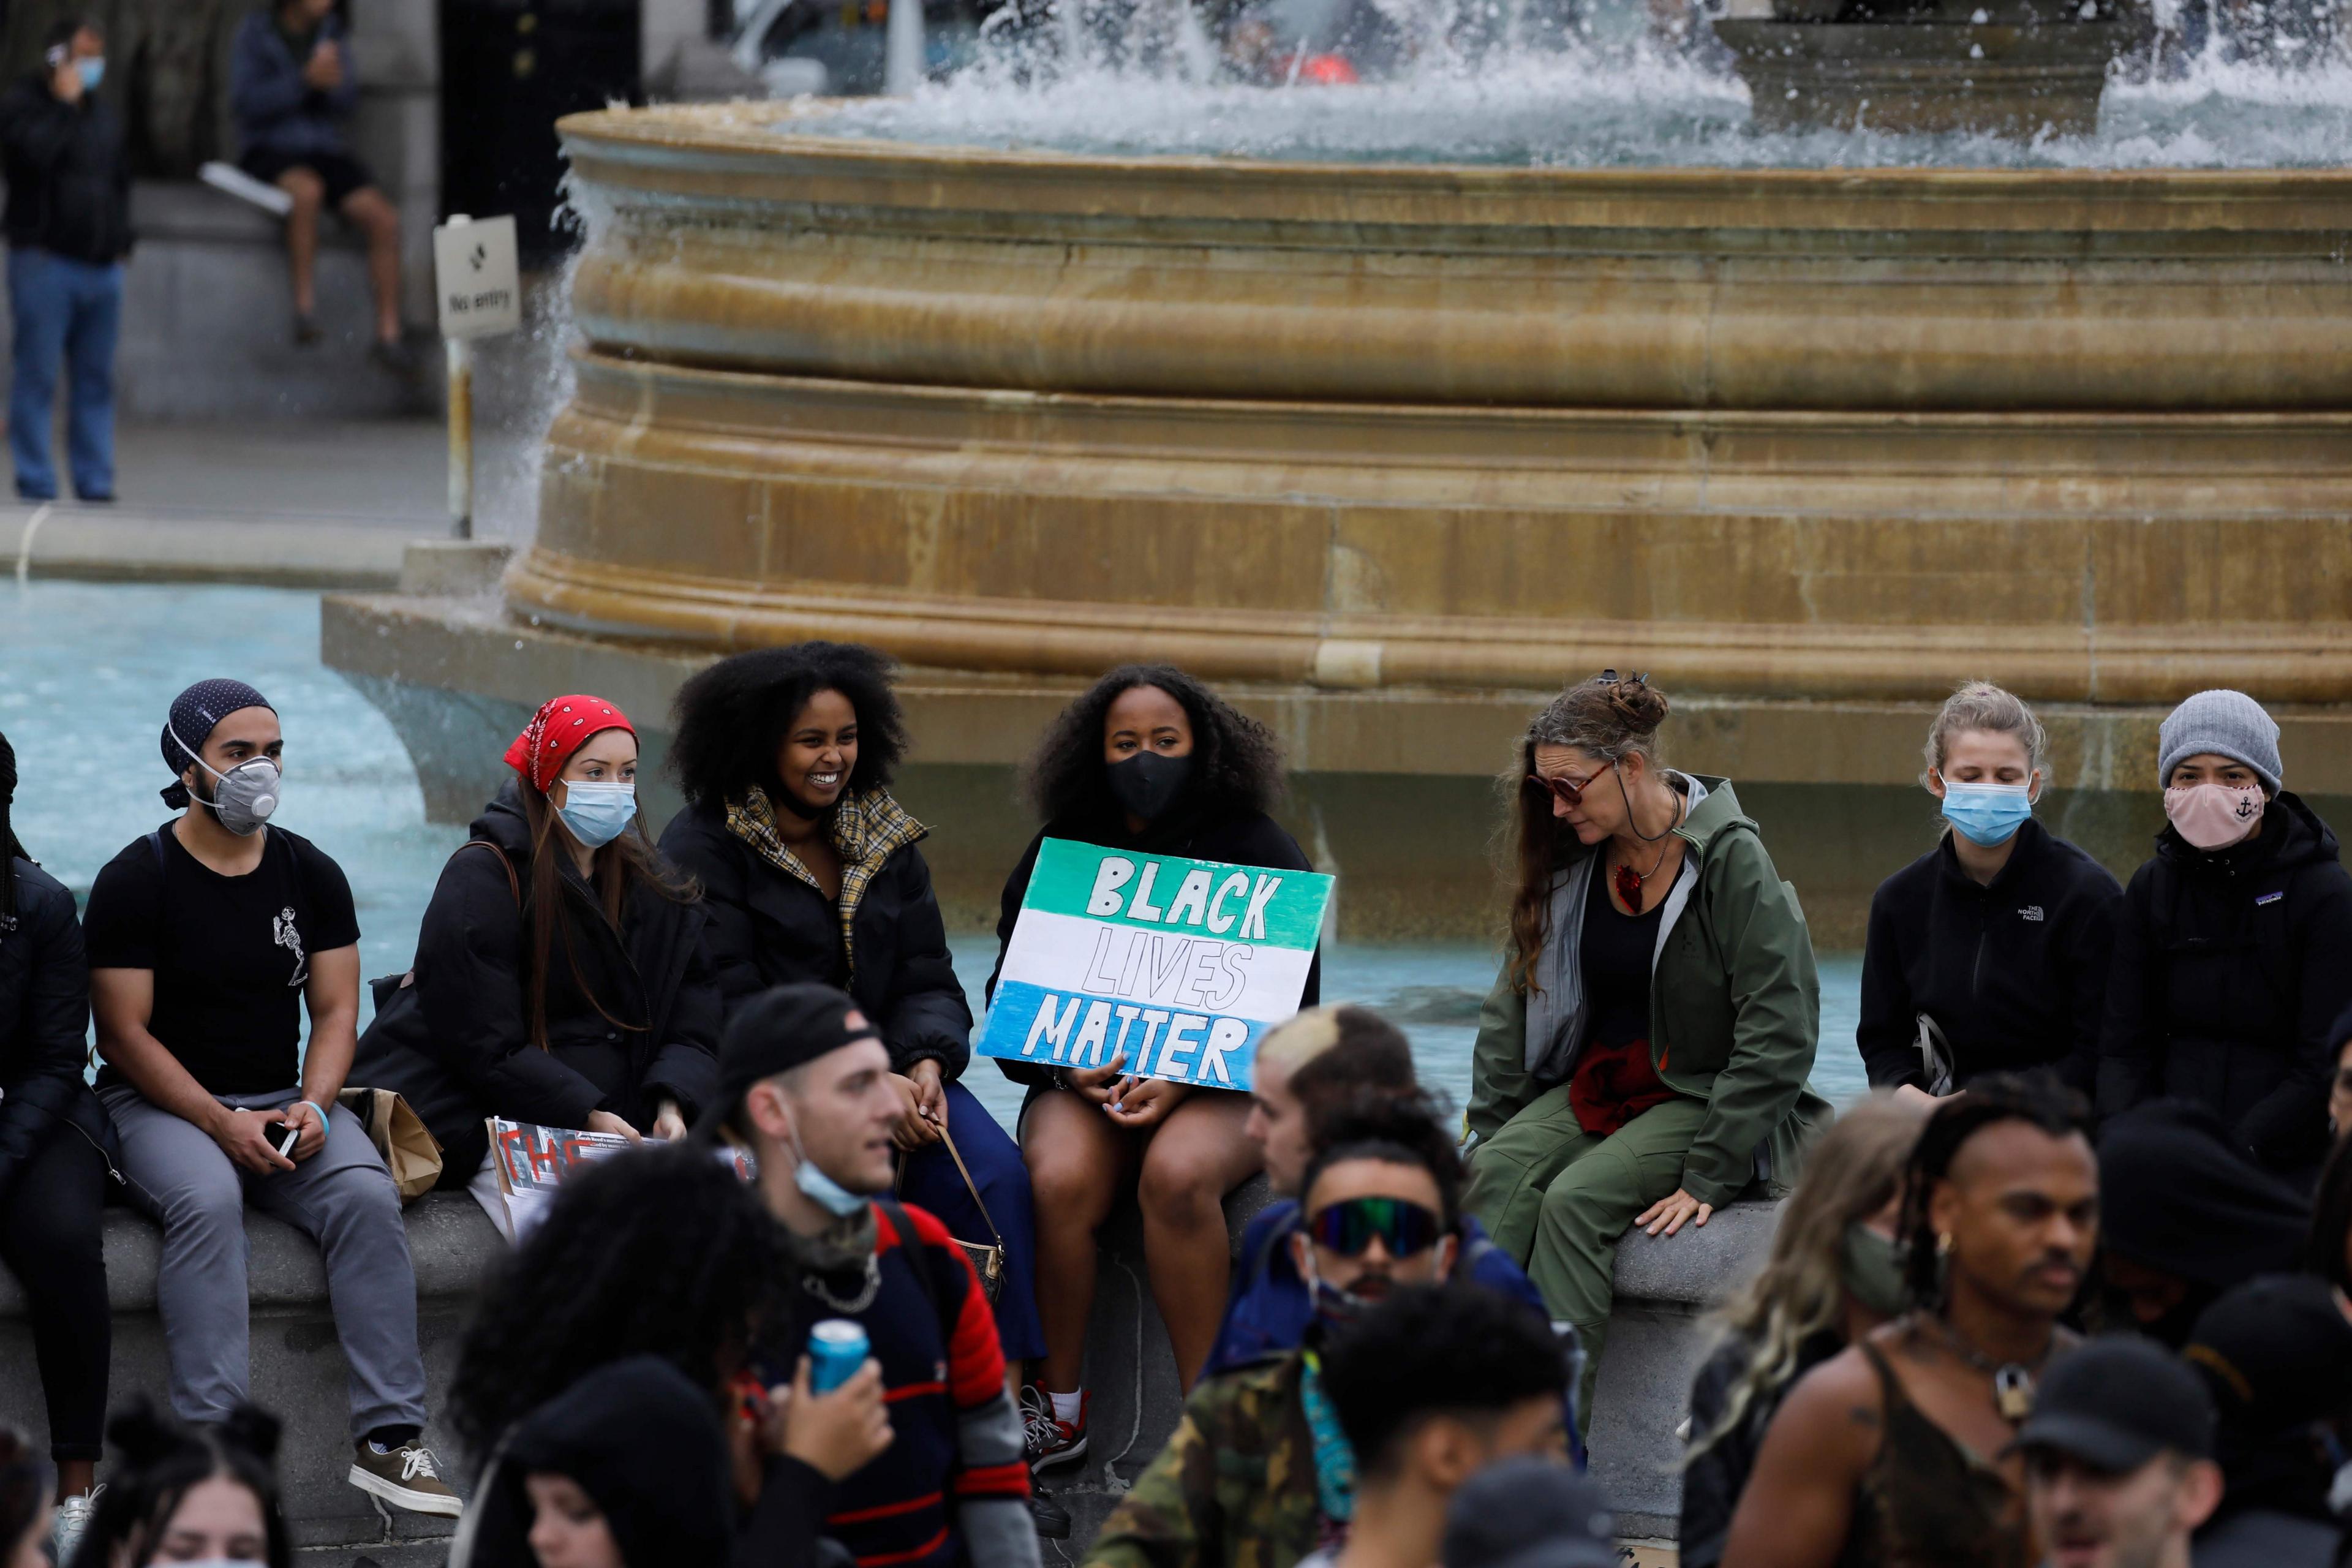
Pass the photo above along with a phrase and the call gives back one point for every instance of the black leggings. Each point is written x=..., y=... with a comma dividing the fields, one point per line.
x=51, y=1241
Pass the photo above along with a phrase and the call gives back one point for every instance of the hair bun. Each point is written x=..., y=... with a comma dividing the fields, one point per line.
x=1636, y=703
x=253, y=1429
x=142, y=1433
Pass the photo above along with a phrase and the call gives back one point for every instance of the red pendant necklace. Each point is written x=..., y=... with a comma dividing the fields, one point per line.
x=1628, y=880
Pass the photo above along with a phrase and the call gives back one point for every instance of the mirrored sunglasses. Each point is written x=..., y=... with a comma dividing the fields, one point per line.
x=1347, y=1227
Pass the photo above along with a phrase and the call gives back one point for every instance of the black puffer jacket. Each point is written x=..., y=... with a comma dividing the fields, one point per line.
x=45, y=1029
x=767, y=927
x=69, y=181
x=2013, y=972
x=457, y=1044
x=1252, y=839
x=2231, y=970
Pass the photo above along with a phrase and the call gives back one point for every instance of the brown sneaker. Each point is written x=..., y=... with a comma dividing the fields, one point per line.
x=405, y=1478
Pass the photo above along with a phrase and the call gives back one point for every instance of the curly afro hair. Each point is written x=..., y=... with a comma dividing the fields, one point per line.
x=731, y=720
x=575, y=1295
x=1237, y=763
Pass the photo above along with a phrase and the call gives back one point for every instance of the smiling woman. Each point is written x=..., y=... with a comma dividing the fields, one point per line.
x=810, y=872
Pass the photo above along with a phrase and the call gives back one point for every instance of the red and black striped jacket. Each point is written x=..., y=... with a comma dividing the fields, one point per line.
x=953, y=1486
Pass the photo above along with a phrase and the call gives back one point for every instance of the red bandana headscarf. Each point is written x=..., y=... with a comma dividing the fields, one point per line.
x=561, y=727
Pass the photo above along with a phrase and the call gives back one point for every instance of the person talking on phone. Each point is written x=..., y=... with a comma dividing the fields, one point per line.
x=561, y=976
x=208, y=940
x=69, y=222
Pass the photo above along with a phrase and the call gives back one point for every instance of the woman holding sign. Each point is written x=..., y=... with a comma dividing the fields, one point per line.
x=811, y=872
x=1150, y=762
x=1641, y=1060
x=561, y=978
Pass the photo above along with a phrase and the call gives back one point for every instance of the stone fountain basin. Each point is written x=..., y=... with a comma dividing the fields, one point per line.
x=1797, y=432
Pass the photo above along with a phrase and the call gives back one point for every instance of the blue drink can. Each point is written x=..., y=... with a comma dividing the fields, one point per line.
x=836, y=1349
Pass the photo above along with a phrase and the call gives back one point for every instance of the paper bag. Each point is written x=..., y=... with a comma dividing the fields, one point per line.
x=410, y=1151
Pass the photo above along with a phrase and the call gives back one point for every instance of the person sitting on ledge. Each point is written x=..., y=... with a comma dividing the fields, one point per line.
x=1989, y=952
x=208, y=938
x=561, y=977
x=1258, y=1474
x=57, y=1151
x=1309, y=1072
x=1899, y=1450
x=1834, y=1274
x=1641, y=1058
x=812, y=871
x=292, y=84
x=1147, y=759
x=2229, y=971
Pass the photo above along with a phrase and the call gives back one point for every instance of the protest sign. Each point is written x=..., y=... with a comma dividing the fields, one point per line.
x=1182, y=964
x=532, y=1162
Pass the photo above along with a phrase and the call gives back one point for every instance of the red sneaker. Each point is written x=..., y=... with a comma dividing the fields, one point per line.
x=1049, y=1441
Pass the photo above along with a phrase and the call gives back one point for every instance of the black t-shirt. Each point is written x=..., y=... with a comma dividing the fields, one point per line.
x=1616, y=957
x=230, y=954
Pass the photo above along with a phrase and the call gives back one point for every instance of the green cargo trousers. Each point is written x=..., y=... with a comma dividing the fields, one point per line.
x=1557, y=1199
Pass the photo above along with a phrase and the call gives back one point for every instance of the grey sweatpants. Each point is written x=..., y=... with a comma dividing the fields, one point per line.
x=341, y=1197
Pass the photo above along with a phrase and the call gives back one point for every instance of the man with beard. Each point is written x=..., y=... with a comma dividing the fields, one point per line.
x=209, y=939
x=1259, y=1473
x=1879, y=1453
x=804, y=1085
x=2119, y=1457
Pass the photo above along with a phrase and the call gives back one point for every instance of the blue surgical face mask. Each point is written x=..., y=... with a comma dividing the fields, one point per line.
x=1988, y=815
x=824, y=1191
x=598, y=813
x=92, y=69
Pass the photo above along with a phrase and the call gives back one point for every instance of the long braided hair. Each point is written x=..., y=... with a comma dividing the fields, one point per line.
x=2036, y=1100
x=10, y=850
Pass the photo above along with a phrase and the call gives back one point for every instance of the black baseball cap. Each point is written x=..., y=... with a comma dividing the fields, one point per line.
x=774, y=1032
x=2276, y=1352
x=1529, y=1512
x=2117, y=1402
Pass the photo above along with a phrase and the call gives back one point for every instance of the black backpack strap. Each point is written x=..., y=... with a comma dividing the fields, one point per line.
x=948, y=1313
x=155, y=842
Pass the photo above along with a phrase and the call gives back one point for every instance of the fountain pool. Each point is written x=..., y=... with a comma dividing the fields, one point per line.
x=88, y=669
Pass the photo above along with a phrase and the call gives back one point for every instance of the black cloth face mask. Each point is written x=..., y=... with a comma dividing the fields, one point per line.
x=1147, y=782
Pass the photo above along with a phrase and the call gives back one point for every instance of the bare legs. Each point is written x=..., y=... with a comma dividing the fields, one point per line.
x=1197, y=1156
x=375, y=219
x=76, y=1477
x=309, y=193
x=1078, y=1162
x=378, y=221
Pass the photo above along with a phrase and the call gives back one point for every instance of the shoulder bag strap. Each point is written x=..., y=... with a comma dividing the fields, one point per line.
x=513, y=888
x=973, y=1188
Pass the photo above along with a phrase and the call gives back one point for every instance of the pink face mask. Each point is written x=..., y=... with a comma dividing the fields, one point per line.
x=2212, y=815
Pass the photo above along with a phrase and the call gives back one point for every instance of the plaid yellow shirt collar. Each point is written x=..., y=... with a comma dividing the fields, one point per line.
x=867, y=829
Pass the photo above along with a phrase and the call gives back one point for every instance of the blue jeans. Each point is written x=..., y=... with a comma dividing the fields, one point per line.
x=63, y=308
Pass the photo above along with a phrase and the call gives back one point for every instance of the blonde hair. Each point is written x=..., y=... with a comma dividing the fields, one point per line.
x=1291, y=1046
x=1981, y=705
x=1855, y=1172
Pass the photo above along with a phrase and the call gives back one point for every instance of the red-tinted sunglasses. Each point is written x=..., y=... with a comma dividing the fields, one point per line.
x=1568, y=791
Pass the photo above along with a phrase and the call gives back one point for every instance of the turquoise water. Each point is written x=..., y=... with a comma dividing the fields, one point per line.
x=86, y=671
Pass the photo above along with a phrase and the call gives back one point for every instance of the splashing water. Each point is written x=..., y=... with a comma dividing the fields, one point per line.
x=1604, y=96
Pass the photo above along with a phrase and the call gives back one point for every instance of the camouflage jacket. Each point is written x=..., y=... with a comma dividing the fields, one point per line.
x=1234, y=1488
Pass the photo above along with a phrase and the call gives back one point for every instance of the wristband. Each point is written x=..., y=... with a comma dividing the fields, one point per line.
x=324, y=1122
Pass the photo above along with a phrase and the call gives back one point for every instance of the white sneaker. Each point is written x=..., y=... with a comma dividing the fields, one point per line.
x=71, y=1521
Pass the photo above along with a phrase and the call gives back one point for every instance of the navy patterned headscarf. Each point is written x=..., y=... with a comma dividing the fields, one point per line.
x=195, y=712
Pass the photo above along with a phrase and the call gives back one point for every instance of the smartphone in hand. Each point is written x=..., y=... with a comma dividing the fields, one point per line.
x=282, y=1137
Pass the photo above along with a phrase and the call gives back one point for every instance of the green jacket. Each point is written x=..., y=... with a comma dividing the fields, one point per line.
x=1734, y=1014
x=1234, y=1487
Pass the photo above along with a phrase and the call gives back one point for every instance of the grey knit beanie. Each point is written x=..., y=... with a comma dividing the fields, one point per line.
x=2226, y=723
